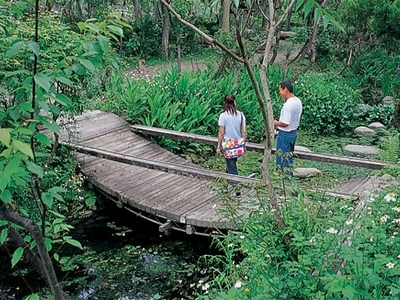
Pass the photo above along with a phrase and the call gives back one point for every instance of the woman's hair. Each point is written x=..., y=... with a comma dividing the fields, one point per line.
x=229, y=104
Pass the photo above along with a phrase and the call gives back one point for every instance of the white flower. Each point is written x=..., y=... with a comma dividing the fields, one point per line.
x=390, y=197
x=242, y=237
x=396, y=208
x=238, y=284
x=349, y=222
x=205, y=287
x=230, y=245
x=390, y=265
x=332, y=230
x=396, y=221
x=385, y=218
x=371, y=238
x=312, y=240
x=398, y=256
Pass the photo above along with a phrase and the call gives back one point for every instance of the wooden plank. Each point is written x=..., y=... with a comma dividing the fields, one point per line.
x=165, y=167
x=329, y=158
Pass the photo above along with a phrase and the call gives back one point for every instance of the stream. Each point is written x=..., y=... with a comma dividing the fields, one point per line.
x=123, y=257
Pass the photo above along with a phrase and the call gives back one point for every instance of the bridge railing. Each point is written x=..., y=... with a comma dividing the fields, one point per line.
x=329, y=158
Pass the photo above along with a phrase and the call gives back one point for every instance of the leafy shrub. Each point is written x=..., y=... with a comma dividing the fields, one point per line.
x=376, y=113
x=337, y=250
x=329, y=105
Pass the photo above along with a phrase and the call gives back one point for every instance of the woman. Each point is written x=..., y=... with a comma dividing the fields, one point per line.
x=232, y=125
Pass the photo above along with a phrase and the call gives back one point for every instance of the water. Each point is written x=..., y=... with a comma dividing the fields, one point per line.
x=124, y=257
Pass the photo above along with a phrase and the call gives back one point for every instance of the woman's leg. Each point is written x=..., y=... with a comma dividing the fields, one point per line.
x=231, y=166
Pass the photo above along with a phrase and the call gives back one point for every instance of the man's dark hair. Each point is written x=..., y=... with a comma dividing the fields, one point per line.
x=287, y=84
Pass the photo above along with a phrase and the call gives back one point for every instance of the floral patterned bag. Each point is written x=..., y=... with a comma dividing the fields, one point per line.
x=234, y=148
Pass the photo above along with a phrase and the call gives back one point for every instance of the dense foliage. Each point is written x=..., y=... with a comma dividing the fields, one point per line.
x=336, y=249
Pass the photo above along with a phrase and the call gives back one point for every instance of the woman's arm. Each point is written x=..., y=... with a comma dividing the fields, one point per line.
x=221, y=133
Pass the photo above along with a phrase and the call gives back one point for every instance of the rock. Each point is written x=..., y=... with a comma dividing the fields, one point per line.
x=387, y=100
x=360, y=150
x=306, y=172
x=376, y=125
x=301, y=148
x=363, y=130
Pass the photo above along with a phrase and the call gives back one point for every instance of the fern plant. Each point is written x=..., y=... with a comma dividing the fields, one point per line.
x=390, y=149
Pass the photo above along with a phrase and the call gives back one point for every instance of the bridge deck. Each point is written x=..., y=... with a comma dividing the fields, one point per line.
x=155, y=183
x=181, y=199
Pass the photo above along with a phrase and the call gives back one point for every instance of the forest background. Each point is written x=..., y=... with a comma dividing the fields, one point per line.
x=61, y=57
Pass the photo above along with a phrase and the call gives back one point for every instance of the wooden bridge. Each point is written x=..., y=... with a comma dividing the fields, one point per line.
x=158, y=185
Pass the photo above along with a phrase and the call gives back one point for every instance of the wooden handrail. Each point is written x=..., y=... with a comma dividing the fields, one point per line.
x=203, y=139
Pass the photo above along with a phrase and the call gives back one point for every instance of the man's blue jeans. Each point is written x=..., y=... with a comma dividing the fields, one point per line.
x=231, y=166
x=284, y=149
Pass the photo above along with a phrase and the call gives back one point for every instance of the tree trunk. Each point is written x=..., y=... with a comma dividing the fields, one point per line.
x=138, y=10
x=6, y=213
x=165, y=31
x=226, y=7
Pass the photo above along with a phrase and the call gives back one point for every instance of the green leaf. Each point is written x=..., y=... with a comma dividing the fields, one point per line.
x=3, y=235
x=299, y=3
x=12, y=166
x=43, y=139
x=63, y=99
x=116, y=30
x=34, y=168
x=33, y=297
x=5, y=196
x=236, y=3
x=348, y=292
x=72, y=242
x=48, y=244
x=4, y=181
x=22, y=147
x=87, y=64
x=16, y=256
x=5, y=136
x=43, y=81
x=15, y=47
x=47, y=199
x=34, y=48
x=103, y=41
x=92, y=27
x=64, y=80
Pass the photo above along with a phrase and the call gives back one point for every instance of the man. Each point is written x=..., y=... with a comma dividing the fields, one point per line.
x=287, y=127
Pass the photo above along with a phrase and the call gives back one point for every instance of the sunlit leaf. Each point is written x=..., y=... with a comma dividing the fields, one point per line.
x=34, y=47
x=23, y=147
x=63, y=99
x=48, y=244
x=16, y=256
x=72, y=242
x=15, y=47
x=34, y=168
x=87, y=64
x=6, y=197
x=43, y=81
x=43, y=139
x=47, y=199
x=5, y=136
x=116, y=30
x=3, y=235
x=92, y=27
x=32, y=297
x=4, y=181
